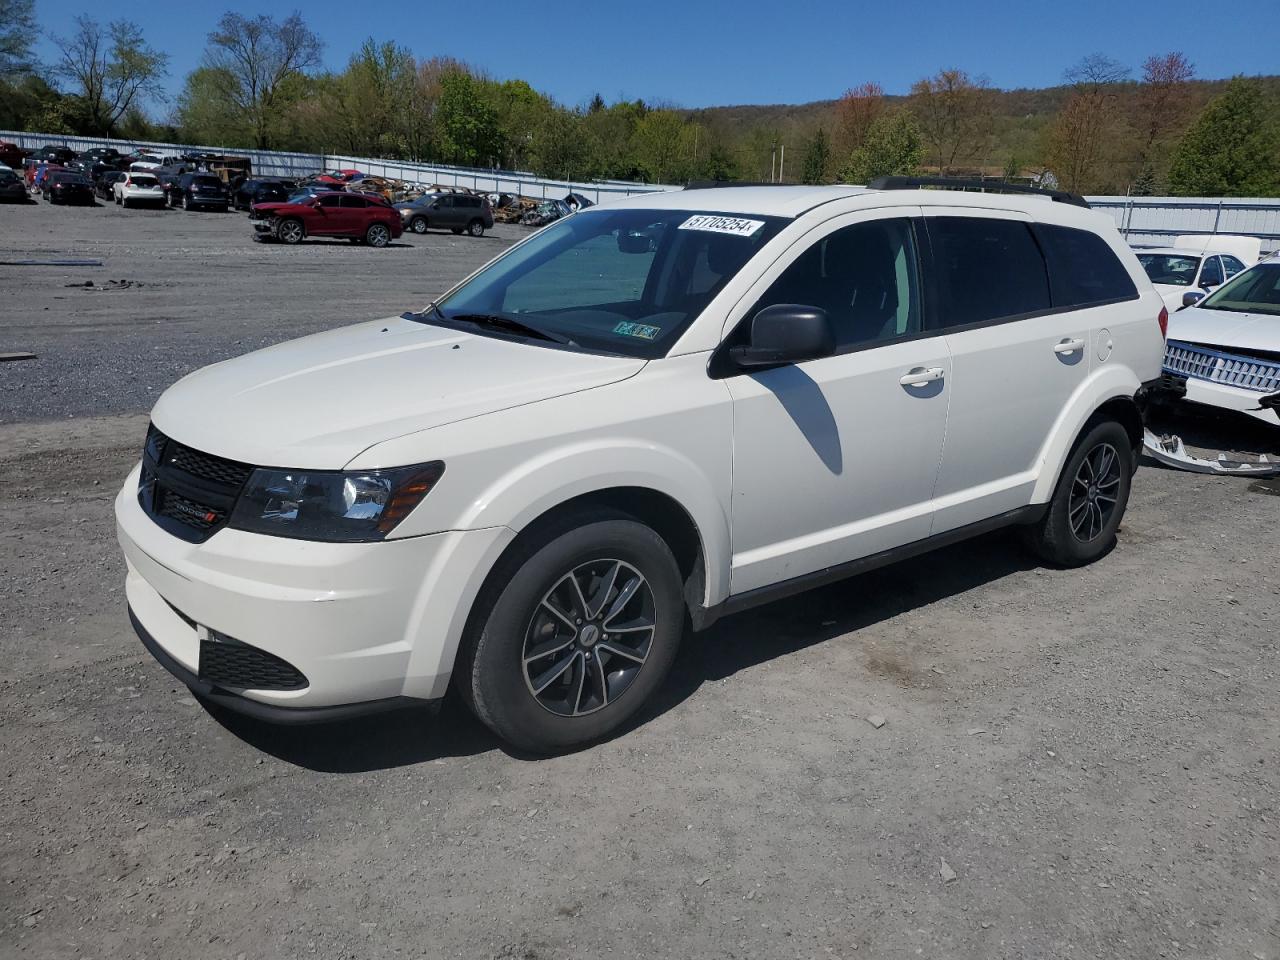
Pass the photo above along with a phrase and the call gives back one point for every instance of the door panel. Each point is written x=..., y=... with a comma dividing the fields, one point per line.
x=1011, y=378
x=835, y=459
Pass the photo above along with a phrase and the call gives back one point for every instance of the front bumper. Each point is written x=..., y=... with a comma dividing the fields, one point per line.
x=363, y=622
x=1228, y=397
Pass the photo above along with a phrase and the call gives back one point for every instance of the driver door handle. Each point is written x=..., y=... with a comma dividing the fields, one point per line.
x=918, y=375
x=1069, y=346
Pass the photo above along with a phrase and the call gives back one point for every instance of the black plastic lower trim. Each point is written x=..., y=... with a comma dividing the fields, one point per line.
x=269, y=712
x=1031, y=513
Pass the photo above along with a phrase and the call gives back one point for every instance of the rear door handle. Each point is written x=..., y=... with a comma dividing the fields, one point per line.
x=1070, y=345
x=918, y=375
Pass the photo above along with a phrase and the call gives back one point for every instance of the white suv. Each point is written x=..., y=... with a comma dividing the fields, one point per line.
x=647, y=415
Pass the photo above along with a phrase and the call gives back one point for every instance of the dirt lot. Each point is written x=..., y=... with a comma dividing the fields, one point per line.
x=1074, y=764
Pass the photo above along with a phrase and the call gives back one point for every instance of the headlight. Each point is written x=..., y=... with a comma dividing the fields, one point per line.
x=331, y=505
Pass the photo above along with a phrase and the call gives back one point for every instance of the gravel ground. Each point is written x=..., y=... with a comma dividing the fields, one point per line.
x=1074, y=764
x=180, y=290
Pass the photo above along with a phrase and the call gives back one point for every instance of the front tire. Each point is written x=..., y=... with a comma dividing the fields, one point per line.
x=290, y=231
x=418, y=224
x=1089, y=500
x=583, y=627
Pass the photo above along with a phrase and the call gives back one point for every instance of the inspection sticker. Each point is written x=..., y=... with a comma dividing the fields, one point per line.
x=713, y=224
x=641, y=330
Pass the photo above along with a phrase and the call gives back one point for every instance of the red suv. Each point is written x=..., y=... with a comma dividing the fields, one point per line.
x=356, y=216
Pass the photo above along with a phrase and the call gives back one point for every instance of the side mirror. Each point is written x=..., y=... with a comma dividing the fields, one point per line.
x=633, y=242
x=1191, y=298
x=786, y=333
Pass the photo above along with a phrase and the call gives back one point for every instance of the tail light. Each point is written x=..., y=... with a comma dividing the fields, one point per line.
x=1163, y=320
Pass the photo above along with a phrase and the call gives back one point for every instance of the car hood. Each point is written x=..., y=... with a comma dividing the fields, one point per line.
x=272, y=206
x=1250, y=332
x=318, y=402
x=1171, y=294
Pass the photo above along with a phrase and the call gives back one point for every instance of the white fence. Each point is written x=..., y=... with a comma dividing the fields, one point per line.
x=1155, y=220
x=274, y=163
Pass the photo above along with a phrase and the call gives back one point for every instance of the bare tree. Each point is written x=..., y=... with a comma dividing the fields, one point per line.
x=954, y=112
x=262, y=62
x=856, y=111
x=1164, y=102
x=17, y=36
x=111, y=69
x=1086, y=122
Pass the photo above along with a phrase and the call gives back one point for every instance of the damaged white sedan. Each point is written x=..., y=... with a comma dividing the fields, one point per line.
x=1224, y=352
x=1226, y=349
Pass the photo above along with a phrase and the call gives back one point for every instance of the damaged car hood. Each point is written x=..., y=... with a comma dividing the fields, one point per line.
x=319, y=401
x=1227, y=330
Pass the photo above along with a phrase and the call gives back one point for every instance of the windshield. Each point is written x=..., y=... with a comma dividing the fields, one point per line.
x=1176, y=269
x=1254, y=291
x=622, y=281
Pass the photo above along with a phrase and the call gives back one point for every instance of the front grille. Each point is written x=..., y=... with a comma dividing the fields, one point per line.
x=1216, y=366
x=242, y=667
x=206, y=467
x=188, y=492
x=198, y=516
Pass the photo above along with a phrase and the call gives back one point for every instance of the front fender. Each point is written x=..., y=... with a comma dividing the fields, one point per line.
x=1103, y=384
x=539, y=484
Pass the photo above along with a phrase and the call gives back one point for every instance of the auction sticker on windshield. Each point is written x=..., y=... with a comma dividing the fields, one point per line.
x=736, y=226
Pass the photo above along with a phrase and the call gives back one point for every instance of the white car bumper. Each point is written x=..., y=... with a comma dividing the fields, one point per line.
x=1229, y=398
x=364, y=623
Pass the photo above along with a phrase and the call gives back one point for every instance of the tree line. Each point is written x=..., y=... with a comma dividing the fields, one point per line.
x=262, y=83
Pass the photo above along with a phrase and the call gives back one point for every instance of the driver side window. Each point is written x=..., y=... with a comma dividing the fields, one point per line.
x=864, y=276
x=1211, y=275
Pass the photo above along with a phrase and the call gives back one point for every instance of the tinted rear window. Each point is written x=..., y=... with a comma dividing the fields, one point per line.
x=987, y=269
x=1083, y=269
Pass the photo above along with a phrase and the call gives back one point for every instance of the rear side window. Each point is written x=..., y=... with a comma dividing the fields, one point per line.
x=359, y=202
x=1211, y=275
x=1232, y=266
x=987, y=270
x=1083, y=269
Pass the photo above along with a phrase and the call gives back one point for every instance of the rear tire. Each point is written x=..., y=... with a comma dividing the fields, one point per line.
x=626, y=580
x=476, y=228
x=378, y=235
x=1089, y=500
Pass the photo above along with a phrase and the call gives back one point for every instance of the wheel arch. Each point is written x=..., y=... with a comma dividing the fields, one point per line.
x=1108, y=394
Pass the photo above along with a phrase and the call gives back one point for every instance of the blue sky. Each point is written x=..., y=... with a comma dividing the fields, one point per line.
x=750, y=51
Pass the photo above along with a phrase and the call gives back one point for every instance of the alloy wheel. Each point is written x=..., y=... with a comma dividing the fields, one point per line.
x=1094, y=492
x=378, y=235
x=589, y=637
x=291, y=231
x=419, y=225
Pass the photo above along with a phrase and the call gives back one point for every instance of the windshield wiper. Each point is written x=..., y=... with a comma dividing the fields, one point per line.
x=493, y=321
x=496, y=321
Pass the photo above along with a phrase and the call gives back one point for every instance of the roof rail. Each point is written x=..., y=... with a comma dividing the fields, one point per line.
x=992, y=186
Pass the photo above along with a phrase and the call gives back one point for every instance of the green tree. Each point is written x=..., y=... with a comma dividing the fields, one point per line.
x=17, y=37
x=662, y=144
x=260, y=64
x=469, y=127
x=111, y=70
x=892, y=147
x=817, y=155
x=1232, y=149
x=205, y=116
